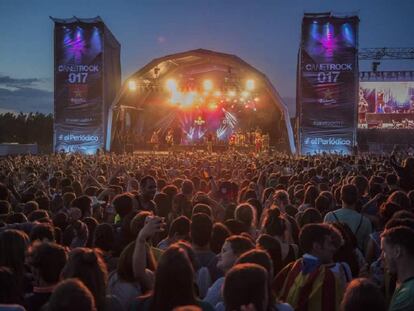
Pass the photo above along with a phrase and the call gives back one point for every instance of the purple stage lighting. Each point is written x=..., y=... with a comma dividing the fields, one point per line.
x=348, y=34
x=328, y=40
x=74, y=44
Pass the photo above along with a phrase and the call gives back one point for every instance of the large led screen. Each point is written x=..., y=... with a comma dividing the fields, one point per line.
x=328, y=84
x=386, y=104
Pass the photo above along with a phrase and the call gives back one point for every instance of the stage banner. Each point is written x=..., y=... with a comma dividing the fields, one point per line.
x=327, y=94
x=79, y=106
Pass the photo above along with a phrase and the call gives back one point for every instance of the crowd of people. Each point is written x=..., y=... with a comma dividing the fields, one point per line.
x=197, y=231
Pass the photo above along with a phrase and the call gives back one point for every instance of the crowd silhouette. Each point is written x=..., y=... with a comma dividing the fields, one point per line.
x=198, y=231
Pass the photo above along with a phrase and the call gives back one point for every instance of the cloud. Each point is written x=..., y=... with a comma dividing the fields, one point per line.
x=25, y=95
x=26, y=99
x=17, y=83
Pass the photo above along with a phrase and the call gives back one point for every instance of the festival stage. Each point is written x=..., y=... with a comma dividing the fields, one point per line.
x=217, y=148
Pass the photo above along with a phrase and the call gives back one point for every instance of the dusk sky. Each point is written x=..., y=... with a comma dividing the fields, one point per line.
x=264, y=33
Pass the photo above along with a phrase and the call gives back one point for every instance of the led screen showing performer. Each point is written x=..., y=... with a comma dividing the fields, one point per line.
x=386, y=105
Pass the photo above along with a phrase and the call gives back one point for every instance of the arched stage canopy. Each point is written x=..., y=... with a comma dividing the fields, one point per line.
x=204, y=91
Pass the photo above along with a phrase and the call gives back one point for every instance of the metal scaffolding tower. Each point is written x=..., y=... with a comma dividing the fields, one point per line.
x=385, y=53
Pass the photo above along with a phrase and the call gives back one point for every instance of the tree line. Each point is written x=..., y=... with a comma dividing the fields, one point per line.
x=27, y=128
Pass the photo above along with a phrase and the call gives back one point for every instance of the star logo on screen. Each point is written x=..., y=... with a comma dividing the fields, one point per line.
x=77, y=93
x=328, y=94
x=327, y=98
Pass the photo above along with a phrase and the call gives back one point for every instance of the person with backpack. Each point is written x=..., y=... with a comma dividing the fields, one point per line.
x=360, y=225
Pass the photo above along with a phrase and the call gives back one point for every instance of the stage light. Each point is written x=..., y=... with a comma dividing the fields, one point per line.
x=217, y=93
x=132, y=85
x=329, y=31
x=171, y=85
x=347, y=33
x=189, y=98
x=231, y=93
x=256, y=99
x=78, y=33
x=190, y=133
x=246, y=106
x=221, y=131
x=212, y=106
x=314, y=30
x=245, y=94
x=231, y=119
x=208, y=85
x=201, y=133
x=175, y=97
x=250, y=85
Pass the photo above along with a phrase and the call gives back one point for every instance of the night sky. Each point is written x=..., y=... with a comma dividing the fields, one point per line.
x=264, y=33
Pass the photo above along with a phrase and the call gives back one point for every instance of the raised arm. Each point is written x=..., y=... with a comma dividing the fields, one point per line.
x=139, y=257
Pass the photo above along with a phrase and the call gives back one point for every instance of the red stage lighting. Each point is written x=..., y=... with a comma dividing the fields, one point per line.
x=212, y=106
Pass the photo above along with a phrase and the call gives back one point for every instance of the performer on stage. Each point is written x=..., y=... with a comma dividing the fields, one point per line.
x=155, y=140
x=169, y=139
x=258, y=141
x=242, y=139
x=232, y=141
x=209, y=139
x=247, y=138
x=252, y=138
x=380, y=102
x=362, y=107
x=237, y=138
x=411, y=109
x=177, y=135
x=266, y=142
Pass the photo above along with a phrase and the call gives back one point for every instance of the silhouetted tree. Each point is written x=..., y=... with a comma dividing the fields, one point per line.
x=27, y=128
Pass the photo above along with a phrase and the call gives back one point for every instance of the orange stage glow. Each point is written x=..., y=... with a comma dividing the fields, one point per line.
x=171, y=85
x=132, y=85
x=208, y=85
x=250, y=85
x=231, y=93
x=212, y=106
x=189, y=99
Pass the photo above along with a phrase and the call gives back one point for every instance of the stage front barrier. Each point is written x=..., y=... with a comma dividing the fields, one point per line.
x=327, y=86
x=14, y=149
x=384, y=140
x=388, y=117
